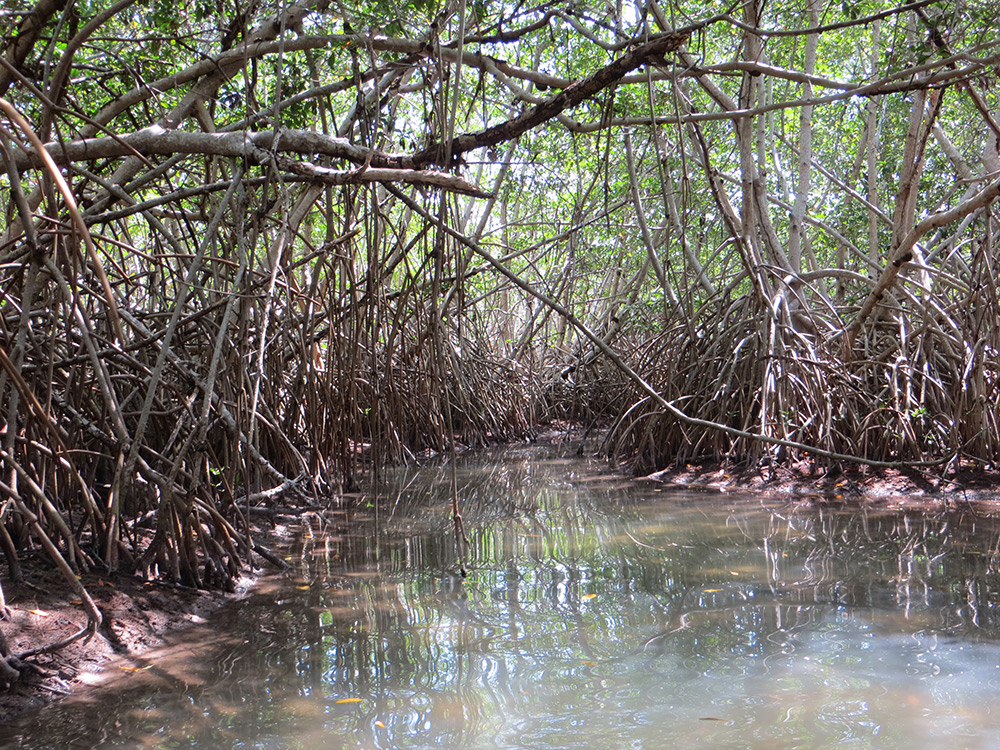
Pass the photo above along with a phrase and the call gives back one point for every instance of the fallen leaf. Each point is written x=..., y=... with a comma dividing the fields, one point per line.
x=380, y=725
x=585, y=597
x=709, y=718
x=350, y=700
x=38, y=612
x=588, y=663
x=710, y=591
x=134, y=669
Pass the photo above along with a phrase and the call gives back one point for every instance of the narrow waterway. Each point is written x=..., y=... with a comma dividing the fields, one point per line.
x=596, y=613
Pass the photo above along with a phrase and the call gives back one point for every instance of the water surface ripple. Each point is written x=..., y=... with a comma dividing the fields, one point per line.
x=597, y=613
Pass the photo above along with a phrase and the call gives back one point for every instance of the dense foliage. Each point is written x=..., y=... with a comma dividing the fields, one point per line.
x=248, y=248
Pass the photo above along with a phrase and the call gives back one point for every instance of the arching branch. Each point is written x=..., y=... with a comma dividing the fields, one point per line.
x=550, y=108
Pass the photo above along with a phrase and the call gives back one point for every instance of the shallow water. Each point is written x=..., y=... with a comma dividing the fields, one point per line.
x=597, y=613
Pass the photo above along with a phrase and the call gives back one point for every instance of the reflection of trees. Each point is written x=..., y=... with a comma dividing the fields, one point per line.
x=574, y=580
x=697, y=579
x=582, y=592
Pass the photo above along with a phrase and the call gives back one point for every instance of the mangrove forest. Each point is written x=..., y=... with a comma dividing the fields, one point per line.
x=257, y=251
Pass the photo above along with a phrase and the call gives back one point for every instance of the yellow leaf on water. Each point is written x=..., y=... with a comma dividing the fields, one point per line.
x=588, y=663
x=380, y=724
x=349, y=700
x=585, y=597
x=302, y=588
x=710, y=591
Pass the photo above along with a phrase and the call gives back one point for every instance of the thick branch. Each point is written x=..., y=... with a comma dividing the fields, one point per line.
x=257, y=147
x=550, y=108
x=157, y=140
x=31, y=28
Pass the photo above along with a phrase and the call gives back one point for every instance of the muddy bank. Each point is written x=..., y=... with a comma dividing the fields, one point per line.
x=137, y=615
x=970, y=486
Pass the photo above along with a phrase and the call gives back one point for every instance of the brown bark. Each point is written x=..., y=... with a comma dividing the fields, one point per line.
x=546, y=110
x=901, y=250
x=254, y=146
x=28, y=33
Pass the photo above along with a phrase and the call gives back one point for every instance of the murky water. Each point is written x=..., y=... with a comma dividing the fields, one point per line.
x=596, y=614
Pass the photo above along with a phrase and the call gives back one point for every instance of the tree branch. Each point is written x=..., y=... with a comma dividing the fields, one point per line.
x=550, y=108
x=904, y=252
x=31, y=28
x=830, y=26
x=257, y=147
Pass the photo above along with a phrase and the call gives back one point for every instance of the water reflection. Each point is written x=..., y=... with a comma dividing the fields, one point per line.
x=596, y=614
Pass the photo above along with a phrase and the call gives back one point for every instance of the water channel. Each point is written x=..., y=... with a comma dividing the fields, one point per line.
x=596, y=613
